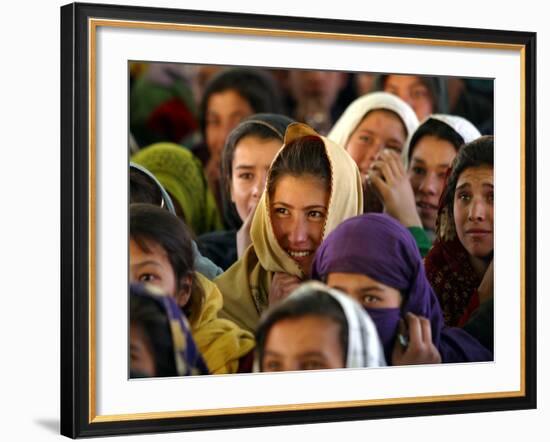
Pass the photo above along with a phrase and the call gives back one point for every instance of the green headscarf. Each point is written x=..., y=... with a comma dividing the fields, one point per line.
x=181, y=174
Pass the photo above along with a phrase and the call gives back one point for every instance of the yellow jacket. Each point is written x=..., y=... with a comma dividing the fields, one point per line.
x=221, y=342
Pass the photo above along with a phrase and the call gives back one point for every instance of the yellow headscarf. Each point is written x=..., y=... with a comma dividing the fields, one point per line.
x=221, y=342
x=245, y=285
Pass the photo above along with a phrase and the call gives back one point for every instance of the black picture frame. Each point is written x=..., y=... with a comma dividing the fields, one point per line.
x=76, y=405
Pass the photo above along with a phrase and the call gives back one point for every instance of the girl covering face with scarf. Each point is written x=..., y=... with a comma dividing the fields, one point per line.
x=379, y=248
x=312, y=186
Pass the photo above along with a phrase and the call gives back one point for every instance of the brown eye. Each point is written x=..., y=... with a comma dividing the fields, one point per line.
x=272, y=365
x=316, y=214
x=419, y=93
x=313, y=365
x=396, y=149
x=281, y=211
x=147, y=277
x=370, y=299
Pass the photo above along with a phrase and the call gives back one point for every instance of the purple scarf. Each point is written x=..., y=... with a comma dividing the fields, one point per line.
x=378, y=246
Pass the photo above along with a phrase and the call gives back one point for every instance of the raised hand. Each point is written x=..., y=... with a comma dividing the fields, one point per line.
x=390, y=181
x=282, y=285
x=243, y=234
x=420, y=348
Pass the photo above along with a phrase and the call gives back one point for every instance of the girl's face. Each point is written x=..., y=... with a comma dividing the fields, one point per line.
x=430, y=161
x=142, y=359
x=412, y=91
x=154, y=267
x=365, y=290
x=379, y=130
x=251, y=160
x=298, y=209
x=224, y=111
x=473, y=210
x=306, y=343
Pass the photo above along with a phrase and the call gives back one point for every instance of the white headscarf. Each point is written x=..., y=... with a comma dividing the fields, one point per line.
x=356, y=111
x=460, y=125
x=364, y=346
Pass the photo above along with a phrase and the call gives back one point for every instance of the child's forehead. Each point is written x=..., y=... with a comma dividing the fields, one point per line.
x=147, y=245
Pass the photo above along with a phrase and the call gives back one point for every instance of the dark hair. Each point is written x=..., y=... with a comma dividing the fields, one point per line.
x=151, y=223
x=255, y=86
x=479, y=152
x=263, y=126
x=150, y=317
x=314, y=303
x=143, y=189
x=303, y=156
x=436, y=129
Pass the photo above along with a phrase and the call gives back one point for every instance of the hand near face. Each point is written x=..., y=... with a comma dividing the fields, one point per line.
x=212, y=170
x=243, y=234
x=389, y=179
x=485, y=289
x=282, y=285
x=420, y=349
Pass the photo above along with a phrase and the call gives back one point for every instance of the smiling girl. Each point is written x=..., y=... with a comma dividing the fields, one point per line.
x=246, y=158
x=312, y=186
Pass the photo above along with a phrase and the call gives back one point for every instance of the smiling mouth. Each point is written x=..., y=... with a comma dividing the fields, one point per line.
x=299, y=254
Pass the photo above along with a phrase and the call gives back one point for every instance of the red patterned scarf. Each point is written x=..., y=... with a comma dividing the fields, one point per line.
x=453, y=279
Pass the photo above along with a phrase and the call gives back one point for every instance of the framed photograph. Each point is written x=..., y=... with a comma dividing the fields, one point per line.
x=99, y=46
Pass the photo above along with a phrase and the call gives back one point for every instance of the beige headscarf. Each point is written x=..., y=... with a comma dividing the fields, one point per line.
x=245, y=285
x=220, y=342
x=356, y=111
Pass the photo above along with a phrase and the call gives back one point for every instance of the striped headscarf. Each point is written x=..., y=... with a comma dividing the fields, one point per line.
x=188, y=361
